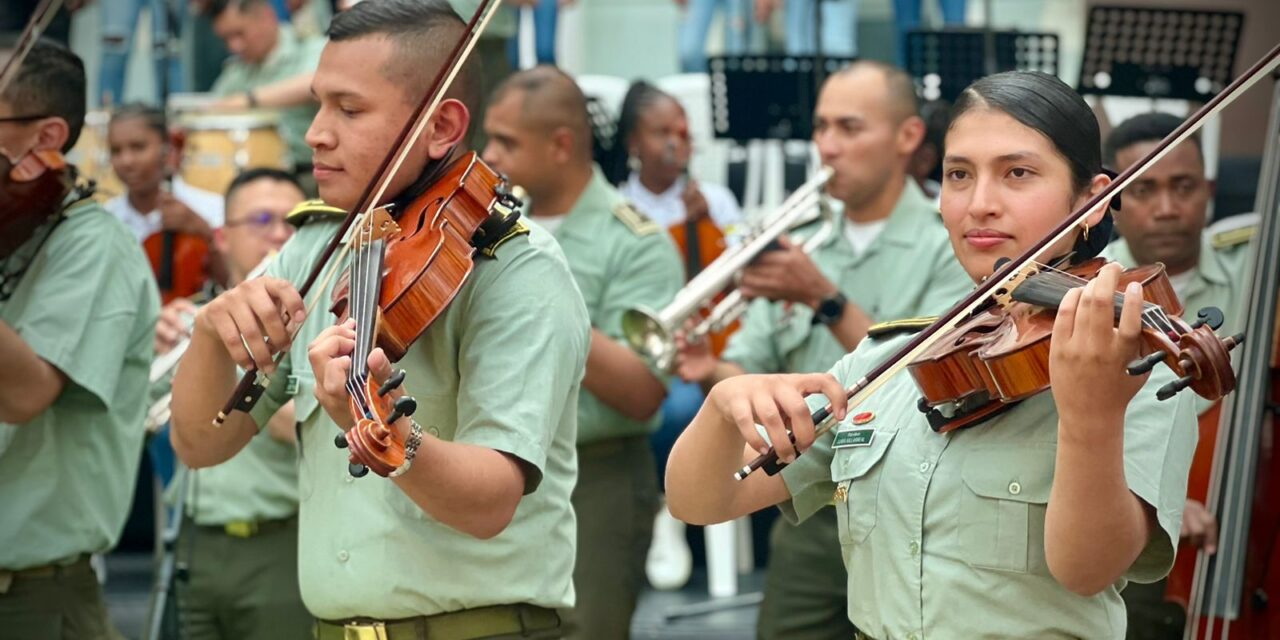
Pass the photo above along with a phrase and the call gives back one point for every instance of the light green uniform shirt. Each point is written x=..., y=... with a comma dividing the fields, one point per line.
x=258, y=483
x=500, y=368
x=908, y=270
x=292, y=57
x=620, y=260
x=943, y=535
x=88, y=306
x=1220, y=280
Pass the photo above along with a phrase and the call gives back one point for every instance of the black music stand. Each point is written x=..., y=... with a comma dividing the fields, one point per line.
x=767, y=97
x=944, y=62
x=1159, y=53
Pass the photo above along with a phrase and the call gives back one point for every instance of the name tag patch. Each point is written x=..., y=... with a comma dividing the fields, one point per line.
x=853, y=438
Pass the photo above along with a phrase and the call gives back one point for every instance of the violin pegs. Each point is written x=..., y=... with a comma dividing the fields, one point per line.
x=1145, y=364
x=1170, y=390
x=1211, y=316
x=1233, y=341
x=405, y=406
x=340, y=441
x=357, y=470
x=392, y=383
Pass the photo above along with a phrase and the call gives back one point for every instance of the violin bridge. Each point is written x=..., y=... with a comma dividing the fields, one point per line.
x=377, y=225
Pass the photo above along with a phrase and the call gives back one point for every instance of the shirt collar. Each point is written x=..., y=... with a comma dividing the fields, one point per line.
x=902, y=227
x=1209, y=267
x=593, y=200
x=286, y=42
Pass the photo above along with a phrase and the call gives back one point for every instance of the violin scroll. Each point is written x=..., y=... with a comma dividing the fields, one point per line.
x=373, y=443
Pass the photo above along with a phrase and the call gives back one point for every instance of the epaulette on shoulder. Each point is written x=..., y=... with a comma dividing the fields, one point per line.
x=309, y=210
x=637, y=222
x=906, y=325
x=518, y=229
x=1233, y=237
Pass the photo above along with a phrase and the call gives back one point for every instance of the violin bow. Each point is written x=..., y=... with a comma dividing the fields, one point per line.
x=39, y=21
x=878, y=376
x=254, y=382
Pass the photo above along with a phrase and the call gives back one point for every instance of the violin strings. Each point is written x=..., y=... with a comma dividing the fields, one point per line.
x=1154, y=316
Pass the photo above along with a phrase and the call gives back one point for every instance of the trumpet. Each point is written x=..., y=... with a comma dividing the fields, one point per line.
x=652, y=334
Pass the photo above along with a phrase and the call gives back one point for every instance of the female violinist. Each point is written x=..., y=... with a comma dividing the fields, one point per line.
x=1027, y=524
x=459, y=538
x=142, y=157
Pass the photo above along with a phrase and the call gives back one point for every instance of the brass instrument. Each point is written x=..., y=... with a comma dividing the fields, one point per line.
x=652, y=335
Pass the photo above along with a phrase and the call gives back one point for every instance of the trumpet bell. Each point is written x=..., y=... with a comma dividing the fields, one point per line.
x=648, y=336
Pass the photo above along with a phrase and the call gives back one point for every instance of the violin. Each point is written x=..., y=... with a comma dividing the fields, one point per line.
x=34, y=188
x=1194, y=356
x=700, y=242
x=408, y=263
x=1001, y=355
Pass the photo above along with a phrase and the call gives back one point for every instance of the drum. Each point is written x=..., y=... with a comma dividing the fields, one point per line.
x=92, y=156
x=218, y=146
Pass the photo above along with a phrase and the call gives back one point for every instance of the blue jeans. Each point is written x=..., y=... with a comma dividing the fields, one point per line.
x=692, y=37
x=682, y=404
x=839, y=27
x=545, y=15
x=906, y=14
x=119, y=22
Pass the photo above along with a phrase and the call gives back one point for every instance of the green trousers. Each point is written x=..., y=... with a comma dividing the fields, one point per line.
x=615, y=501
x=806, y=587
x=66, y=605
x=1151, y=617
x=241, y=588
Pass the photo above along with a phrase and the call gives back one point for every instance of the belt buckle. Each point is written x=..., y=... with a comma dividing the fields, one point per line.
x=240, y=528
x=359, y=631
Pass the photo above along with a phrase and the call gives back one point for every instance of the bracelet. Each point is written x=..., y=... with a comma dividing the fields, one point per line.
x=410, y=450
x=251, y=99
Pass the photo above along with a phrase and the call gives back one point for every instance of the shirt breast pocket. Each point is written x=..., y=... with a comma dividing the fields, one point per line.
x=856, y=470
x=1002, y=508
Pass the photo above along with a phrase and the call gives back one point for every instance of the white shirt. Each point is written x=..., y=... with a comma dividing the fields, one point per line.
x=667, y=208
x=206, y=204
x=861, y=234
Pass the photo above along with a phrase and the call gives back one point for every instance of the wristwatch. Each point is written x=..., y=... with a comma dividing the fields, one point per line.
x=830, y=310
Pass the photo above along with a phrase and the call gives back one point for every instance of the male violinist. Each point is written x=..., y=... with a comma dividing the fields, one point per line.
x=476, y=539
x=886, y=259
x=540, y=137
x=1163, y=218
x=78, y=307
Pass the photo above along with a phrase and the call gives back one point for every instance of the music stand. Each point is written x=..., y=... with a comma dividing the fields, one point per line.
x=1159, y=53
x=944, y=62
x=767, y=97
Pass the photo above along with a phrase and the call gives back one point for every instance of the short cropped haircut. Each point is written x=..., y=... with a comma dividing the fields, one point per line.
x=50, y=83
x=1146, y=127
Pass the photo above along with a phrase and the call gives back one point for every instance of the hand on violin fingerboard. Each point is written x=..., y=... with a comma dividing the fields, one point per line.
x=1088, y=351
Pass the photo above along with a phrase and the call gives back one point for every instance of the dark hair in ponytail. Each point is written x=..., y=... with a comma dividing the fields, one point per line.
x=1046, y=104
x=1043, y=102
x=640, y=96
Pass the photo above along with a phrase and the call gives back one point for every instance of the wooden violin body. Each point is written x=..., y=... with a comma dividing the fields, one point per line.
x=700, y=243
x=180, y=262
x=1001, y=355
x=34, y=188
x=424, y=256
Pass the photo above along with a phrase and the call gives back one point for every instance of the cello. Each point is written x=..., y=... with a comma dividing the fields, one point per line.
x=1228, y=594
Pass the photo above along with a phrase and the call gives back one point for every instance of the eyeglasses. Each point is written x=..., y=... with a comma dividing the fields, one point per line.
x=258, y=220
x=32, y=118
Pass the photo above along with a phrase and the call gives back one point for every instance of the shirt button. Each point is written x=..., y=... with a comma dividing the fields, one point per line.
x=1015, y=488
x=433, y=431
x=912, y=636
x=914, y=547
x=349, y=478
x=343, y=556
x=924, y=467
